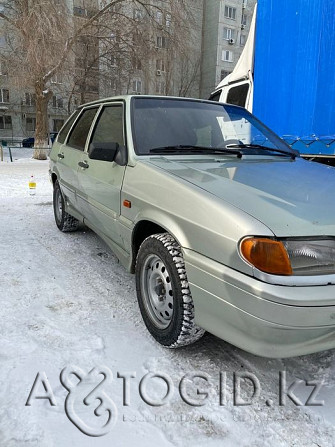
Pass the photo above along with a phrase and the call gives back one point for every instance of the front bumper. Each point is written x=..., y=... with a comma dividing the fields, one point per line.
x=265, y=319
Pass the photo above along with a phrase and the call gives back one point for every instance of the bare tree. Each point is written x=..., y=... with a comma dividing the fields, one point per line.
x=45, y=40
x=41, y=36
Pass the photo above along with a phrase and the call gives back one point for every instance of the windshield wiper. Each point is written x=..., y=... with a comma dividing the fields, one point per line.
x=188, y=149
x=292, y=154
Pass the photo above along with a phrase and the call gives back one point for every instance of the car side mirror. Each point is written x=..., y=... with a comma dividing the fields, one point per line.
x=121, y=157
x=103, y=151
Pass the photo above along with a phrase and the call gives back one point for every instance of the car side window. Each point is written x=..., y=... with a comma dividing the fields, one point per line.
x=67, y=126
x=238, y=95
x=80, y=131
x=110, y=126
x=215, y=96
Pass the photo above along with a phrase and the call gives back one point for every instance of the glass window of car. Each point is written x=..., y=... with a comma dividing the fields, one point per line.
x=65, y=130
x=81, y=129
x=182, y=123
x=238, y=95
x=110, y=126
x=215, y=96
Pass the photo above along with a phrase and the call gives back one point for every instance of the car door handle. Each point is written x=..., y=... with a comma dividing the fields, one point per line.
x=83, y=164
x=60, y=155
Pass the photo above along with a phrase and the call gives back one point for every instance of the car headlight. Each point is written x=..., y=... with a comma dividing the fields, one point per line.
x=291, y=256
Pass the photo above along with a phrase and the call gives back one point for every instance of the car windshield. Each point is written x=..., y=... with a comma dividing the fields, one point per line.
x=175, y=126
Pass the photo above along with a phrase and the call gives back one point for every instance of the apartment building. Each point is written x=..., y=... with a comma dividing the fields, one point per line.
x=18, y=111
x=226, y=25
x=172, y=53
x=165, y=54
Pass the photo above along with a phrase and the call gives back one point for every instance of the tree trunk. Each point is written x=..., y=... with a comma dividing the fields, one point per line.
x=41, y=132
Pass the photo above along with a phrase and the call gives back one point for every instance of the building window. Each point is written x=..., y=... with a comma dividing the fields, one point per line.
x=4, y=95
x=3, y=68
x=224, y=74
x=137, y=86
x=228, y=33
x=162, y=42
x=168, y=20
x=57, y=125
x=5, y=122
x=160, y=87
x=57, y=102
x=244, y=20
x=227, y=56
x=160, y=65
x=30, y=124
x=56, y=79
x=137, y=14
x=112, y=61
x=230, y=12
x=137, y=65
x=159, y=17
x=91, y=87
x=243, y=39
x=79, y=11
x=244, y=3
x=112, y=84
x=30, y=99
x=80, y=62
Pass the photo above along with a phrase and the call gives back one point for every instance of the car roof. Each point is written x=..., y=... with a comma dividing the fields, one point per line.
x=129, y=97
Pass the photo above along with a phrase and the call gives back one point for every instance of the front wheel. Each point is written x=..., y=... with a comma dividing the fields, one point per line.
x=163, y=292
x=64, y=221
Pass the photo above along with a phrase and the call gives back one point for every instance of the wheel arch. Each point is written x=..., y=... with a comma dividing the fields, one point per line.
x=147, y=227
x=54, y=178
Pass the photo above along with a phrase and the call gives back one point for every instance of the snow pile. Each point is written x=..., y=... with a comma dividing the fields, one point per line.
x=66, y=301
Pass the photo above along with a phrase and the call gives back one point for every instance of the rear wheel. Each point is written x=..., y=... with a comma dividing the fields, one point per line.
x=163, y=292
x=64, y=221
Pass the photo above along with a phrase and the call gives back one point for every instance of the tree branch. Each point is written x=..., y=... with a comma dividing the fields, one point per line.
x=13, y=23
x=71, y=41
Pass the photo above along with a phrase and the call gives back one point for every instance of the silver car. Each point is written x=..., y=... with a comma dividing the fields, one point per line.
x=226, y=228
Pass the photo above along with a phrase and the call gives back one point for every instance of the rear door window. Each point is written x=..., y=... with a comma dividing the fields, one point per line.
x=65, y=130
x=79, y=133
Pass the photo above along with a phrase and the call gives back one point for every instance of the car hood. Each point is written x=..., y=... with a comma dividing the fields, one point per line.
x=291, y=197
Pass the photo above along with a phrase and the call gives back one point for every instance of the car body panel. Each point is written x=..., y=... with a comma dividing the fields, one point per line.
x=99, y=195
x=267, y=320
x=286, y=195
x=196, y=218
x=67, y=167
x=99, y=187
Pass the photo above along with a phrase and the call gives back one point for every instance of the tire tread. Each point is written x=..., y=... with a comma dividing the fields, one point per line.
x=189, y=332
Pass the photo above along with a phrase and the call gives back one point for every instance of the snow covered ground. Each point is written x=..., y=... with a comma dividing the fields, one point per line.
x=67, y=302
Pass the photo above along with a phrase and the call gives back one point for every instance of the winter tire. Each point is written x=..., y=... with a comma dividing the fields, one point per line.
x=64, y=221
x=163, y=292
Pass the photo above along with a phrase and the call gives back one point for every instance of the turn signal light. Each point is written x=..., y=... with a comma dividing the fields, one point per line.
x=266, y=255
